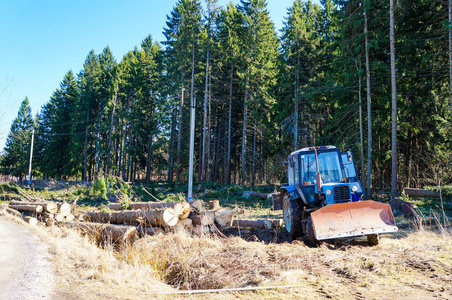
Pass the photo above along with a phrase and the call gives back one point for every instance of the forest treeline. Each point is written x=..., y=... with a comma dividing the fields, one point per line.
x=323, y=80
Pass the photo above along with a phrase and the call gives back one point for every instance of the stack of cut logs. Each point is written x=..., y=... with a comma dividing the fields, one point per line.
x=48, y=212
x=119, y=225
x=141, y=218
x=153, y=217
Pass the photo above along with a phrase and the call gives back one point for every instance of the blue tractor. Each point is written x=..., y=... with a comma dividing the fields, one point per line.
x=323, y=199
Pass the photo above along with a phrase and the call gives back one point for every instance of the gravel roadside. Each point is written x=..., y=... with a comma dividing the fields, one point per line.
x=25, y=267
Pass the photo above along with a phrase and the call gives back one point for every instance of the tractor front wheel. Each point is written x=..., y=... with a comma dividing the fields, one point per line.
x=292, y=213
x=372, y=239
x=310, y=239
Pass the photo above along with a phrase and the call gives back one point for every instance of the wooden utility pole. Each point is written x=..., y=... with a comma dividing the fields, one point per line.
x=394, y=105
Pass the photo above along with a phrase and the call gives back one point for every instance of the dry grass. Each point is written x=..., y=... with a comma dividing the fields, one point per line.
x=415, y=264
x=85, y=271
x=189, y=262
x=419, y=263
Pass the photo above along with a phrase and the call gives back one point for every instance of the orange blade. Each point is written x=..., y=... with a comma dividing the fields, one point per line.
x=352, y=219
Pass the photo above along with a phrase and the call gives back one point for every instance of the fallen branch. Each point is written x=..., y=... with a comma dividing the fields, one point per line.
x=151, y=194
x=276, y=287
x=25, y=195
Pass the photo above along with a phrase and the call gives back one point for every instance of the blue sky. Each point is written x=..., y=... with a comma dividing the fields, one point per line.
x=40, y=41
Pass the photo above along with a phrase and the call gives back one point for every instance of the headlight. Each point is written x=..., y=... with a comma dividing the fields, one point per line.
x=328, y=192
x=354, y=188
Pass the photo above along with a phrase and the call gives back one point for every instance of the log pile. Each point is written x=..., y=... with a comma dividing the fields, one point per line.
x=189, y=216
x=119, y=225
x=46, y=212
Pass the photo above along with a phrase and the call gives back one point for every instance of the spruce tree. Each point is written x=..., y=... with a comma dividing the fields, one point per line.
x=17, y=147
x=54, y=134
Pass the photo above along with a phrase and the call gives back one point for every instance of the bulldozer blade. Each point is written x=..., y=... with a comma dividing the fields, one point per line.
x=352, y=219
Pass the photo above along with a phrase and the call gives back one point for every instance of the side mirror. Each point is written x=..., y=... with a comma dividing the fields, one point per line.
x=349, y=156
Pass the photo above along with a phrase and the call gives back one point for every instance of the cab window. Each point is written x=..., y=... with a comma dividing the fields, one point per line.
x=296, y=171
x=290, y=171
x=350, y=171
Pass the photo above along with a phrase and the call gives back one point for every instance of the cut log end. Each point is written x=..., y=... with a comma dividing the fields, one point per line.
x=31, y=220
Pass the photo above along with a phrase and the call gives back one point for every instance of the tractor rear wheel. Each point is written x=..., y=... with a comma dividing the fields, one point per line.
x=292, y=213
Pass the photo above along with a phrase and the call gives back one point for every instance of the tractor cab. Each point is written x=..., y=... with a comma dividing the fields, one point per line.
x=323, y=175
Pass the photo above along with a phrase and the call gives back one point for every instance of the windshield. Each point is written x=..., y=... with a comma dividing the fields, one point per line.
x=329, y=167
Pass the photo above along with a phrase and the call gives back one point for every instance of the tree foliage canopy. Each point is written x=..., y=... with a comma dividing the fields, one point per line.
x=264, y=95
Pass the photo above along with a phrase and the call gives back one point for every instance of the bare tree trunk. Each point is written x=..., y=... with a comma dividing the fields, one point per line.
x=96, y=156
x=297, y=82
x=215, y=151
x=134, y=164
x=171, y=149
x=450, y=54
x=361, y=130
x=369, y=114
x=118, y=140
x=128, y=153
x=151, y=136
x=209, y=127
x=86, y=147
x=200, y=151
x=228, y=166
x=410, y=160
x=123, y=152
x=148, y=160
x=204, y=129
x=110, y=134
x=253, y=172
x=245, y=103
x=262, y=173
x=394, y=193
x=225, y=152
x=179, y=136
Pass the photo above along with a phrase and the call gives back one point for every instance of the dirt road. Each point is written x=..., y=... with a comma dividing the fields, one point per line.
x=25, y=271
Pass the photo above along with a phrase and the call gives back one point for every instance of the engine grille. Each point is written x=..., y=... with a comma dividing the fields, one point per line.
x=341, y=194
